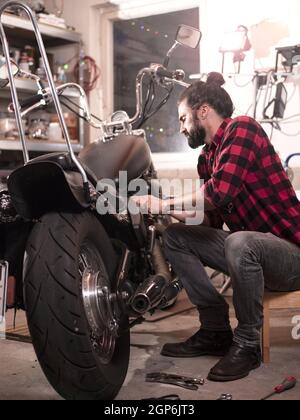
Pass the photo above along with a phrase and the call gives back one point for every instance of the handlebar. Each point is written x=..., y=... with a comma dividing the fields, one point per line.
x=163, y=76
x=156, y=71
x=162, y=72
x=45, y=95
x=31, y=101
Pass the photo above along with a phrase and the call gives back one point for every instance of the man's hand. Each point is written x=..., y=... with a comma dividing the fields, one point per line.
x=149, y=204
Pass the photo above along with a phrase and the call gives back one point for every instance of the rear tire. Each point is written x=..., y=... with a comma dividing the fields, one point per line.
x=56, y=316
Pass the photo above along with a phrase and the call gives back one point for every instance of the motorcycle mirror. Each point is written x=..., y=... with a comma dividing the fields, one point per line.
x=188, y=36
x=4, y=79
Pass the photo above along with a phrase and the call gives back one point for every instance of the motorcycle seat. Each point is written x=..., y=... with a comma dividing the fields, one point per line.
x=64, y=160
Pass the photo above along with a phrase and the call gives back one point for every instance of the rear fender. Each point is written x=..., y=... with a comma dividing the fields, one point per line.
x=43, y=187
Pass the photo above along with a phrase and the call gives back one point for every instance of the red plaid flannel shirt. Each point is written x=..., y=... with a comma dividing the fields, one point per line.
x=246, y=183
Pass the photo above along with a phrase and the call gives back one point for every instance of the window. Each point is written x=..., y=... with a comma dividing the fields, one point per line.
x=139, y=42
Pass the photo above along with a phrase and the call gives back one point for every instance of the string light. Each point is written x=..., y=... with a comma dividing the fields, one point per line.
x=154, y=129
x=149, y=30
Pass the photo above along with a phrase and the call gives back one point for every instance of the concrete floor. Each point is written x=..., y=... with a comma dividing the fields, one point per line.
x=22, y=379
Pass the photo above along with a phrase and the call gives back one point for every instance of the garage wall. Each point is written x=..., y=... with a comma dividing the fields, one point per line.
x=271, y=23
x=78, y=14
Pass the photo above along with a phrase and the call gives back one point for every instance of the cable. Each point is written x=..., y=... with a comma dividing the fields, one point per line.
x=290, y=118
x=72, y=110
x=150, y=97
x=272, y=132
x=80, y=107
x=161, y=104
x=92, y=70
x=288, y=122
x=290, y=135
x=258, y=96
x=245, y=85
x=75, y=112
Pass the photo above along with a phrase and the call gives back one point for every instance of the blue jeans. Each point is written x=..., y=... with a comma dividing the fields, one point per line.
x=253, y=260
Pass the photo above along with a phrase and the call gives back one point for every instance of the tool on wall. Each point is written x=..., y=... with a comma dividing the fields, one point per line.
x=289, y=383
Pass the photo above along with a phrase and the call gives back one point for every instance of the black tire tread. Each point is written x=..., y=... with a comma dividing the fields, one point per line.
x=55, y=312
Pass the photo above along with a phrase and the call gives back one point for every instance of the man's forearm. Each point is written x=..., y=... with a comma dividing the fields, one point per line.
x=191, y=202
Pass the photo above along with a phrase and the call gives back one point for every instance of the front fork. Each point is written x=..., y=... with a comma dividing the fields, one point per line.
x=3, y=291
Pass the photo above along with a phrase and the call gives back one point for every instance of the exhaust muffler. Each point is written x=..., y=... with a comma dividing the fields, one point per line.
x=149, y=294
x=158, y=289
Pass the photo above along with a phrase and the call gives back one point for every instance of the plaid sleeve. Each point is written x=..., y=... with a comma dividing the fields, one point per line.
x=202, y=166
x=239, y=150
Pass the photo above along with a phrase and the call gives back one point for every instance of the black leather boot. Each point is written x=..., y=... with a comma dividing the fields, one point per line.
x=237, y=364
x=203, y=343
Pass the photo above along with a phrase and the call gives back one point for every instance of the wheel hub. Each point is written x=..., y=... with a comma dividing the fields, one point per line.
x=98, y=305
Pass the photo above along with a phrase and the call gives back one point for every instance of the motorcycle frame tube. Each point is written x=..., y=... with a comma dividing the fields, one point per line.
x=52, y=86
x=13, y=89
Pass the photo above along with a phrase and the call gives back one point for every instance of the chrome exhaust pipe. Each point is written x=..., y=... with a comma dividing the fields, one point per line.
x=158, y=290
x=155, y=292
x=149, y=294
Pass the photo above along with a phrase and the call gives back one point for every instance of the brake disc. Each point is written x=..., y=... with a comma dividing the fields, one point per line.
x=99, y=311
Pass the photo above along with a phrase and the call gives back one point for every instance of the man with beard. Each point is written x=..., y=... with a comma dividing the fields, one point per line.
x=246, y=188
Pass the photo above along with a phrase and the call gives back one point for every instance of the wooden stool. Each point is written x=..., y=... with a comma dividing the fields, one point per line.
x=273, y=300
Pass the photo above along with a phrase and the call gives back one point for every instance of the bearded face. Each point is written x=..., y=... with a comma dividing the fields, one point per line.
x=197, y=134
x=191, y=127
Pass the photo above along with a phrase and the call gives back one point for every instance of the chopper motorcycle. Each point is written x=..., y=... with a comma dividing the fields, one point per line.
x=88, y=277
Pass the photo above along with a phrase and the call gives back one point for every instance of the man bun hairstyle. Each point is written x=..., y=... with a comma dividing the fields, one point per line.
x=215, y=78
x=211, y=93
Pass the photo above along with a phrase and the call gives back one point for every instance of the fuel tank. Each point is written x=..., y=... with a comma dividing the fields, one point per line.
x=129, y=153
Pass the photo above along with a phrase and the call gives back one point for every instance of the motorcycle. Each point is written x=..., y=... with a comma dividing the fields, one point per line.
x=88, y=277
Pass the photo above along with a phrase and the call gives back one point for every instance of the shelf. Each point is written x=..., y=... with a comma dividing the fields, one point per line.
x=38, y=146
x=20, y=28
x=29, y=86
x=19, y=32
